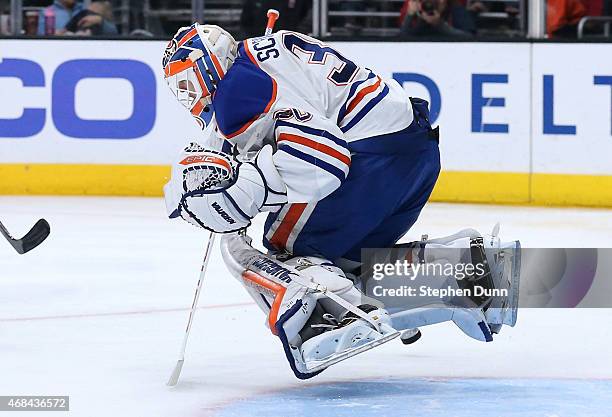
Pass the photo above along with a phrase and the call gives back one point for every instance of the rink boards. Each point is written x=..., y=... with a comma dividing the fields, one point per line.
x=520, y=123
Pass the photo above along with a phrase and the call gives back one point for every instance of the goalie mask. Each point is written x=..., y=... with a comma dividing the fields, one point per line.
x=194, y=61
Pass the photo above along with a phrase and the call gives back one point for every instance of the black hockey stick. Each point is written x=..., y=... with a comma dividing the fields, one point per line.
x=37, y=234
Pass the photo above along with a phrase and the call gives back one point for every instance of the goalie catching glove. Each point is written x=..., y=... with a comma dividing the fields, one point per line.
x=211, y=190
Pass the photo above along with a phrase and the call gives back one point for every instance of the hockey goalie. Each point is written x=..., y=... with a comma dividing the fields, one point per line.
x=340, y=159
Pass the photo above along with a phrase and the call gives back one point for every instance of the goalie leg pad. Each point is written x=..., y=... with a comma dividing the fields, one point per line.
x=291, y=306
x=292, y=352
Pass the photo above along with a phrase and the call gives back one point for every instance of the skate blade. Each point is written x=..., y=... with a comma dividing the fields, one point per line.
x=508, y=314
x=315, y=366
x=511, y=316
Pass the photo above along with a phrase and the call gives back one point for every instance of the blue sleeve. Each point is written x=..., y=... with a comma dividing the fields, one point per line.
x=242, y=96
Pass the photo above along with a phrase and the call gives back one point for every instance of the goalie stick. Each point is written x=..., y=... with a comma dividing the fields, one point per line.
x=37, y=234
x=176, y=373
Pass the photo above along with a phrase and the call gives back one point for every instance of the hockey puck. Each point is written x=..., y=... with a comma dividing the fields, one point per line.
x=410, y=336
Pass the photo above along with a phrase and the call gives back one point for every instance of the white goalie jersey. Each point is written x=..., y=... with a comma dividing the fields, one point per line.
x=316, y=106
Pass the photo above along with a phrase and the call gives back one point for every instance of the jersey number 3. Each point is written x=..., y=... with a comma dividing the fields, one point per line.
x=340, y=75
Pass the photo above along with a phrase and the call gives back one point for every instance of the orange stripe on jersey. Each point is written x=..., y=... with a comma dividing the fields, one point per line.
x=249, y=54
x=281, y=235
x=268, y=106
x=242, y=129
x=250, y=122
x=277, y=289
x=361, y=95
x=316, y=146
x=273, y=98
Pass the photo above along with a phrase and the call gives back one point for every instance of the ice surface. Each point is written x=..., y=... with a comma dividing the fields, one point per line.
x=98, y=312
x=433, y=397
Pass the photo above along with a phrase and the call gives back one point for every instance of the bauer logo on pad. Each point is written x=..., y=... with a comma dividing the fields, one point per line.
x=223, y=213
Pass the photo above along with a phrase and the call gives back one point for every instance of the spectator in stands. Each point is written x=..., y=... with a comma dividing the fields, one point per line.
x=293, y=14
x=62, y=11
x=354, y=24
x=562, y=17
x=96, y=20
x=495, y=18
x=5, y=9
x=437, y=18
